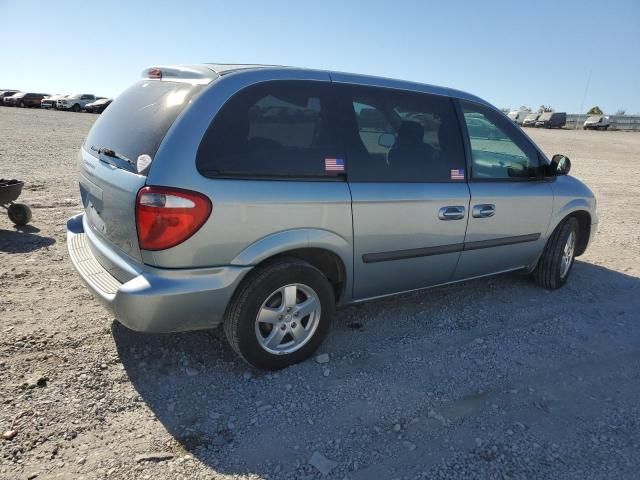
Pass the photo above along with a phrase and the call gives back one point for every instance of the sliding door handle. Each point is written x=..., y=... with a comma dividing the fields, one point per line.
x=451, y=213
x=485, y=210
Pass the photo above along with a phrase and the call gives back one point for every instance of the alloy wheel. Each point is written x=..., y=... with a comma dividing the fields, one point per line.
x=287, y=319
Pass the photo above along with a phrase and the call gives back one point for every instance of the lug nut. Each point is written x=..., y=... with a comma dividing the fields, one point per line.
x=283, y=327
x=293, y=325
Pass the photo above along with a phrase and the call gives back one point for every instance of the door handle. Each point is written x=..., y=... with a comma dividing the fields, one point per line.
x=451, y=213
x=485, y=210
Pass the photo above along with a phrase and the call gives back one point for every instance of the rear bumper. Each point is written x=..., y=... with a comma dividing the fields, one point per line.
x=154, y=300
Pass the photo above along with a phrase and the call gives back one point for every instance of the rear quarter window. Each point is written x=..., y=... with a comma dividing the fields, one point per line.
x=137, y=121
x=272, y=129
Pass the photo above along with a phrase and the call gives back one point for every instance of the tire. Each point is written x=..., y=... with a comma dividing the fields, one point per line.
x=21, y=104
x=19, y=214
x=261, y=292
x=76, y=108
x=551, y=272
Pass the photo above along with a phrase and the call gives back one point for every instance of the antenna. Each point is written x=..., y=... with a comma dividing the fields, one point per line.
x=583, y=98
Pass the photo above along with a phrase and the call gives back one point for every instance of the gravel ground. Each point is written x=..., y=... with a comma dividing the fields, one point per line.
x=494, y=378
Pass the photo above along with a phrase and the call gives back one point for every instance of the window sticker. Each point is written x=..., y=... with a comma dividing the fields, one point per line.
x=457, y=174
x=334, y=165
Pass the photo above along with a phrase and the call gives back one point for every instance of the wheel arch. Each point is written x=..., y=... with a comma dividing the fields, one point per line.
x=584, y=230
x=325, y=250
x=580, y=213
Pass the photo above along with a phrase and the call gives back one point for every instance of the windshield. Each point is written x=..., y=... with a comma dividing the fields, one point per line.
x=546, y=116
x=593, y=118
x=532, y=116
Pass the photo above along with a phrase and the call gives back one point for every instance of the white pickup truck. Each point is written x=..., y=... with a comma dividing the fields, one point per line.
x=597, y=122
x=75, y=102
x=518, y=116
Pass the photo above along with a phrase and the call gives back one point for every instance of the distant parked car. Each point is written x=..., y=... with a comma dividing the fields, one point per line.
x=530, y=120
x=98, y=106
x=552, y=120
x=24, y=99
x=6, y=93
x=75, y=102
x=50, y=101
x=518, y=116
x=597, y=122
x=480, y=128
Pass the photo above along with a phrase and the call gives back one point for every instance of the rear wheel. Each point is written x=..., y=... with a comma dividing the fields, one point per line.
x=21, y=104
x=19, y=214
x=557, y=258
x=280, y=314
x=76, y=108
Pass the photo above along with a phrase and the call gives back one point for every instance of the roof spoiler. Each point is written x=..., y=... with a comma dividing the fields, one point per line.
x=193, y=74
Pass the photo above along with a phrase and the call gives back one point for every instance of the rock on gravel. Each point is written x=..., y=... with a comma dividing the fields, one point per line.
x=9, y=434
x=322, y=358
x=322, y=463
x=154, y=457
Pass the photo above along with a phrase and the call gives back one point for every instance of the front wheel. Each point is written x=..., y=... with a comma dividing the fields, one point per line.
x=280, y=314
x=556, y=261
x=76, y=108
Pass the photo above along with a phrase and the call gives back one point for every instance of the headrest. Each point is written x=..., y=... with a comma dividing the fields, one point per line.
x=410, y=132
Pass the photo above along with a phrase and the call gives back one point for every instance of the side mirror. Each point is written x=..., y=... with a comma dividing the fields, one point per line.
x=560, y=165
x=386, y=140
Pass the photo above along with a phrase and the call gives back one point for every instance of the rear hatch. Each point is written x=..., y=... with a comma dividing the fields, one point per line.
x=134, y=125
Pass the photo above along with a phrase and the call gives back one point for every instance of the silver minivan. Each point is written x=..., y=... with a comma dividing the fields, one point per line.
x=263, y=197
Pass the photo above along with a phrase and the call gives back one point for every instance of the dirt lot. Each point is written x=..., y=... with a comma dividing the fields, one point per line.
x=494, y=378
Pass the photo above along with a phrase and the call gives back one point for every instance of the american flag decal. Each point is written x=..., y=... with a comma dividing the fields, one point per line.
x=457, y=174
x=333, y=165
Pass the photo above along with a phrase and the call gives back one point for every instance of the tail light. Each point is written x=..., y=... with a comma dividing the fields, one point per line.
x=166, y=217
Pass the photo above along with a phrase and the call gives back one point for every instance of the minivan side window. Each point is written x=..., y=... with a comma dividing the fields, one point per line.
x=398, y=136
x=273, y=129
x=498, y=151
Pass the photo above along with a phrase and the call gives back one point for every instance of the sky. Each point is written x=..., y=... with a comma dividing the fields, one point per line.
x=564, y=53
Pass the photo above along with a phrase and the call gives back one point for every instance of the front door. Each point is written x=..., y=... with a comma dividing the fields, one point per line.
x=511, y=202
x=406, y=170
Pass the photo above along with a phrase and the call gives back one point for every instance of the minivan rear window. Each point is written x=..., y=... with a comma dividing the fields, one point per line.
x=139, y=118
